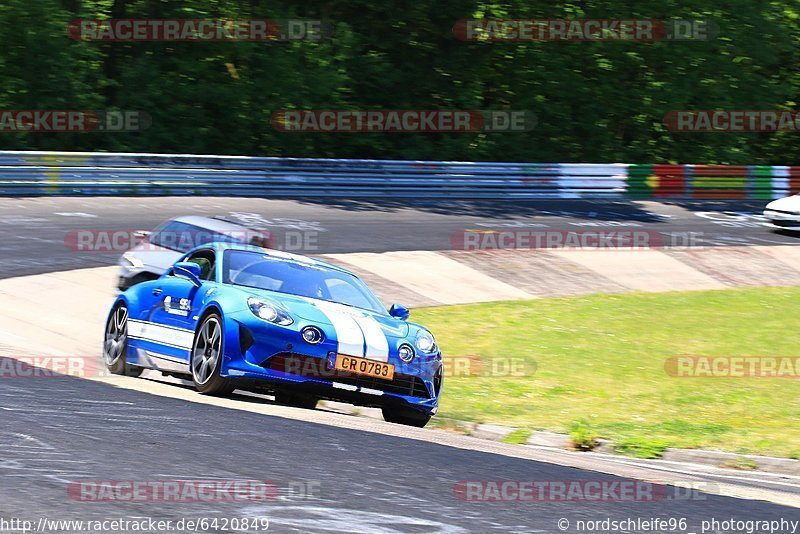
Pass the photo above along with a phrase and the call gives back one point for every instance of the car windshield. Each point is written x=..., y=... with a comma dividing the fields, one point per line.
x=285, y=275
x=183, y=237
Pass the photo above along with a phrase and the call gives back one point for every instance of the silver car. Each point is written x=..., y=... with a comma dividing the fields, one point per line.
x=784, y=213
x=159, y=249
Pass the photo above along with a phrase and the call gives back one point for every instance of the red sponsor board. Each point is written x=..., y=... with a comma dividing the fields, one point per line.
x=671, y=180
x=719, y=181
x=794, y=180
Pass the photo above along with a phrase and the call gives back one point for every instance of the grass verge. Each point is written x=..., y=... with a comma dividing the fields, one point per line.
x=598, y=364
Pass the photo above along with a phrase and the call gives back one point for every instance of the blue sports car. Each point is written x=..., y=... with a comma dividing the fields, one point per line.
x=230, y=316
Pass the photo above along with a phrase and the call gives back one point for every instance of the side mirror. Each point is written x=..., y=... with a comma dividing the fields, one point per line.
x=188, y=271
x=141, y=234
x=400, y=312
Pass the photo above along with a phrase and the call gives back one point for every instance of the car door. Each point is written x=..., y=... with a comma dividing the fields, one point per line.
x=176, y=312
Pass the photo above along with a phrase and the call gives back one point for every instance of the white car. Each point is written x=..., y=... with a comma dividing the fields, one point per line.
x=784, y=213
x=159, y=249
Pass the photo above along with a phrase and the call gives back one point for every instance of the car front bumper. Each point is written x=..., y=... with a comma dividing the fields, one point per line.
x=784, y=220
x=271, y=358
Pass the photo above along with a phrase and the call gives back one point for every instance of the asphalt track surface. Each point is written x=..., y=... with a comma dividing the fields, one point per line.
x=34, y=232
x=57, y=431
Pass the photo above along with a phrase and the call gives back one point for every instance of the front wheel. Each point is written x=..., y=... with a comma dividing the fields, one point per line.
x=115, y=344
x=405, y=416
x=206, y=359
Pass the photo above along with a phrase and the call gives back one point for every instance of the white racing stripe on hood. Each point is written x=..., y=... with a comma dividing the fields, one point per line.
x=351, y=340
x=348, y=333
x=377, y=344
x=354, y=330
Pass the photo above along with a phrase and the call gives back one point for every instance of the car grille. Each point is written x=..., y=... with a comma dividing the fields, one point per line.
x=784, y=212
x=785, y=224
x=308, y=366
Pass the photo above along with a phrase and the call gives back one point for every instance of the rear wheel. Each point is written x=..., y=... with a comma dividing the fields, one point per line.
x=296, y=400
x=405, y=416
x=206, y=359
x=115, y=344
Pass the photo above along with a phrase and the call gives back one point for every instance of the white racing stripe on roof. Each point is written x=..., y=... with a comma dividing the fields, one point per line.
x=274, y=253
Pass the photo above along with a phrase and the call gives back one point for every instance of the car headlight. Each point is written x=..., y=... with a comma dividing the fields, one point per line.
x=269, y=312
x=425, y=342
x=133, y=260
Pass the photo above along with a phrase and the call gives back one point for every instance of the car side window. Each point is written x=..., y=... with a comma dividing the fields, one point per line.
x=206, y=260
x=164, y=236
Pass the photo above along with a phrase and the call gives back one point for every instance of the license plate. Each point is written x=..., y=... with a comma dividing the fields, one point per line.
x=362, y=366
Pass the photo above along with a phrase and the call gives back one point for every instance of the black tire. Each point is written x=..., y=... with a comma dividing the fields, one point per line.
x=296, y=400
x=115, y=343
x=405, y=416
x=208, y=346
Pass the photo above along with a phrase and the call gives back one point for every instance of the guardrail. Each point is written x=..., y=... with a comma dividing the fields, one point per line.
x=88, y=173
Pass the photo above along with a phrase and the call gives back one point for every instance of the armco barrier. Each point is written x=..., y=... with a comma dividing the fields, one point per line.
x=89, y=173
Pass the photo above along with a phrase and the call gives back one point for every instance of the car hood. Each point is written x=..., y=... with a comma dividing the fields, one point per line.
x=329, y=313
x=155, y=256
x=791, y=203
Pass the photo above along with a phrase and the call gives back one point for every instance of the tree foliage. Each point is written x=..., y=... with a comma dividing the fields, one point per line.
x=595, y=101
